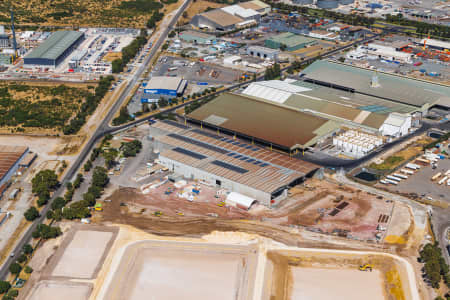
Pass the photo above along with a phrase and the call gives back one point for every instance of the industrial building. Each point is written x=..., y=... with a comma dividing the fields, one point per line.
x=197, y=37
x=54, y=49
x=290, y=41
x=263, y=52
x=162, y=86
x=378, y=51
x=389, y=88
x=231, y=17
x=10, y=157
x=225, y=162
x=4, y=40
x=435, y=44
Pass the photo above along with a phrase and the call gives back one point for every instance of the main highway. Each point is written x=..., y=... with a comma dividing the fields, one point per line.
x=101, y=130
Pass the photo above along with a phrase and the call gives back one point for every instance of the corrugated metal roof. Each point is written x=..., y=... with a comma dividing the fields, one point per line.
x=400, y=89
x=268, y=122
x=290, y=39
x=221, y=17
x=55, y=45
x=164, y=82
x=273, y=90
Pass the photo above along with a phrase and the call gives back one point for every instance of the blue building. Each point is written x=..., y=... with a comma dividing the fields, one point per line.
x=162, y=86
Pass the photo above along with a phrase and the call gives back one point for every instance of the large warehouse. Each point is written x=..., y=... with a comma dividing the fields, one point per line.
x=54, y=49
x=231, y=17
x=10, y=157
x=384, y=86
x=162, y=86
x=289, y=40
x=228, y=163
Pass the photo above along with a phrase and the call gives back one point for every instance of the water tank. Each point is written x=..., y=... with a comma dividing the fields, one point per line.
x=327, y=4
x=346, y=2
x=302, y=2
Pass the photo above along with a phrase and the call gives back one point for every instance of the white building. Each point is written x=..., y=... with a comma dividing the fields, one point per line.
x=396, y=125
x=385, y=52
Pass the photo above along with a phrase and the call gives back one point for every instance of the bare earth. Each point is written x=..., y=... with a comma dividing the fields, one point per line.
x=336, y=284
x=53, y=290
x=83, y=254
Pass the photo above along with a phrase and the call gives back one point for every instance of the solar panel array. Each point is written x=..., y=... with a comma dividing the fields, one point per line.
x=197, y=143
x=206, y=133
x=229, y=166
x=247, y=159
x=189, y=153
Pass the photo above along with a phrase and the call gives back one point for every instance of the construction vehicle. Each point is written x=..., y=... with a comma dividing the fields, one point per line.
x=366, y=267
x=98, y=207
x=158, y=213
x=180, y=213
x=221, y=204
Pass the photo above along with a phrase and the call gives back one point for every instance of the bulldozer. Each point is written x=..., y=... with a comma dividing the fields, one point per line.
x=366, y=267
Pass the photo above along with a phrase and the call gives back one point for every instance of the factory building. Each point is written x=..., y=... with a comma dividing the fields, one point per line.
x=290, y=41
x=197, y=37
x=162, y=86
x=10, y=157
x=231, y=17
x=390, y=89
x=378, y=51
x=263, y=52
x=435, y=44
x=54, y=49
x=4, y=40
x=225, y=162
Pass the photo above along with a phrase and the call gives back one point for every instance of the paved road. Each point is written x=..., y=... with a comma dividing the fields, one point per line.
x=102, y=129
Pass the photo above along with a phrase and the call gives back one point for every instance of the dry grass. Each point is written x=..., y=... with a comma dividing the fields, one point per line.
x=199, y=7
x=112, y=56
x=12, y=241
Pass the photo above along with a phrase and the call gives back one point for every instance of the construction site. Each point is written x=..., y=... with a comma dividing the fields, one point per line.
x=128, y=263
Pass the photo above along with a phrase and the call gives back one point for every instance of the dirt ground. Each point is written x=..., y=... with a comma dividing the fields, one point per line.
x=169, y=270
x=54, y=290
x=112, y=56
x=198, y=7
x=321, y=206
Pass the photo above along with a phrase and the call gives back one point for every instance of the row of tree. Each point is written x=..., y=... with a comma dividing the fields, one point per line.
x=435, y=267
x=129, y=52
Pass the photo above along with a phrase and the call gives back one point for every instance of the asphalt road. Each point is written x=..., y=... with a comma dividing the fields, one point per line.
x=102, y=129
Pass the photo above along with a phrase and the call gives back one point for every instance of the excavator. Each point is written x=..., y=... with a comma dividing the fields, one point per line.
x=366, y=267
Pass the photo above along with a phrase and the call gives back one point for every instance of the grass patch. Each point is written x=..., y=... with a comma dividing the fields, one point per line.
x=388, y=164
x=396, y=290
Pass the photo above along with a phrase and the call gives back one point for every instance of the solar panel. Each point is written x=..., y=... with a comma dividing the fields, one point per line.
x=250, y=160
x=242, y=145
x=229, y=166
x=243, y=158
x=181, y=126
x=248, y=147
x=198, y=143
x=189, y=153
x=264, y=165
x=208, y=134
x=231, y=154
x=238, y=156
x=235, y=143
x=255, y=149
x=224, y=139
x=257, y=162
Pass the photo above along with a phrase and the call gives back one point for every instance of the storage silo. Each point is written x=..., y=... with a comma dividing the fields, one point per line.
x=327, y=4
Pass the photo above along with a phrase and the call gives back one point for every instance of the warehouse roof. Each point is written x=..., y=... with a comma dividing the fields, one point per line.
x=164, y=82
x=221, y=17
x=197, y=34
x=392, y=87
x=55, y=45
x=255, y=4
x=263, y=49
x=263, y=120
x=233, y=159
x=9, y=155
x=290, y=39
x=436, y=43
x=240, y=11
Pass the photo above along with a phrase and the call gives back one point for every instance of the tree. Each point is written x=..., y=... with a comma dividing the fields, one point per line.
x=31, y=214
x=162, y=102
x=13, y=293
x=28, y=269
x=100, y=177
x=22, y=258
x=44, y=181
x=27, y=249
x=4, y=286
x=15, y=268
x=87, y=166
x=89, y=198
x=341, y=59
x=154, y=107
x=58, y=203
x=172, y=34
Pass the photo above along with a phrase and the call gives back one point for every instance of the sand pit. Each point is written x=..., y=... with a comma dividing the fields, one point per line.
x=82, y=256
x=337, y=284
x=183, y=271
x=53, y=290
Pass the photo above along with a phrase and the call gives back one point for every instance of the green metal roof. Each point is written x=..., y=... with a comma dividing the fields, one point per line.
x=290, y=39
x=396, y=88
x=55, y=45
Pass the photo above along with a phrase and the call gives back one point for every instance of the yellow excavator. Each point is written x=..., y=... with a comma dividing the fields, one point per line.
x=366, y=267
